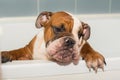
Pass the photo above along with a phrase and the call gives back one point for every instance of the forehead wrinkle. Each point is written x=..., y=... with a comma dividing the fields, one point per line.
x=62, y=18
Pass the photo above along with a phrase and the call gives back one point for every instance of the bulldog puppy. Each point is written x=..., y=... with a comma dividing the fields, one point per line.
x=64, y=41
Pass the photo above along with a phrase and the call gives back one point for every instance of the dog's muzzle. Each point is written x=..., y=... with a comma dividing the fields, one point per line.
x=63, y=50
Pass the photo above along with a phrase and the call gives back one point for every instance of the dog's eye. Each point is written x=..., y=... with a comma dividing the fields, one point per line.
x=58, y=29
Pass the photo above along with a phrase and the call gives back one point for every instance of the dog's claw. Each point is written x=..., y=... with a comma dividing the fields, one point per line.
x=105, y=62
x=96, y=70
x=89, y=69
x=103, y=69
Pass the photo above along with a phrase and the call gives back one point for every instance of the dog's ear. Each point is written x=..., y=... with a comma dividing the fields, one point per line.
x=42, y=19
x=86, y=31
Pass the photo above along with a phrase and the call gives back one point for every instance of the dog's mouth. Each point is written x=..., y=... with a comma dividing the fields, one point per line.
x=65, y=56
x=62, y=53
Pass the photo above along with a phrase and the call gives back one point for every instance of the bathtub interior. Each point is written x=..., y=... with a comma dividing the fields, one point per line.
x=16, y=33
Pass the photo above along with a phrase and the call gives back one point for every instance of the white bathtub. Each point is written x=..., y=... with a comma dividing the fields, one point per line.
x=17, y=32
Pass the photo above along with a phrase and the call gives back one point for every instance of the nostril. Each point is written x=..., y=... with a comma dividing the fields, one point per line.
x=69, y=42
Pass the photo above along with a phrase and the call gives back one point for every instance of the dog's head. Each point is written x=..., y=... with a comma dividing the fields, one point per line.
x=64, y=35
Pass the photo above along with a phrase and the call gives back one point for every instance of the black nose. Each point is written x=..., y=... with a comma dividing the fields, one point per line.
x=69, y=42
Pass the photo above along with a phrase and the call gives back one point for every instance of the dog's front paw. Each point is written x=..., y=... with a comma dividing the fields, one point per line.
x=94, y=61
x=5, y=57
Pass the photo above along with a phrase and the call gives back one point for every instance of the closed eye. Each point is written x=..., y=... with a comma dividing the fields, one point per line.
x=58, y=29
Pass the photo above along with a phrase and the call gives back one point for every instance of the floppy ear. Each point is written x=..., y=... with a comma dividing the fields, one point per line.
x=86, y=31
x=42, y=19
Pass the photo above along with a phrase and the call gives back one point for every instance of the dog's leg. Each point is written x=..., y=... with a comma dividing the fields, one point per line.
x=92, y=58
x=19, y=54
x=24, y=53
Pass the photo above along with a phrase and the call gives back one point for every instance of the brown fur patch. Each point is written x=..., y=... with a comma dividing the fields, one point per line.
x=58, y=19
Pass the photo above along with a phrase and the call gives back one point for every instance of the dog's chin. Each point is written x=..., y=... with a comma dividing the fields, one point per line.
x=63, y=55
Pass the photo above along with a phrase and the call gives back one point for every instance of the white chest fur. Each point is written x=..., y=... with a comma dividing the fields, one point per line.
x=39, y=51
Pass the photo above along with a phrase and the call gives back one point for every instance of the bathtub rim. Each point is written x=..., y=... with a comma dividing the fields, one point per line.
x=14, y=69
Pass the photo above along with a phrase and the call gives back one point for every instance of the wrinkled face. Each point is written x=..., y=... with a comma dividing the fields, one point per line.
x=63, y=36
x=63, y=49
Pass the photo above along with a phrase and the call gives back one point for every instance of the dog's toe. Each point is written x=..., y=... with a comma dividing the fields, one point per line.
x=95, y=62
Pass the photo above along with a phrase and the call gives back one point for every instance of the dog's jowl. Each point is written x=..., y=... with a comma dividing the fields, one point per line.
x=64, y=42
